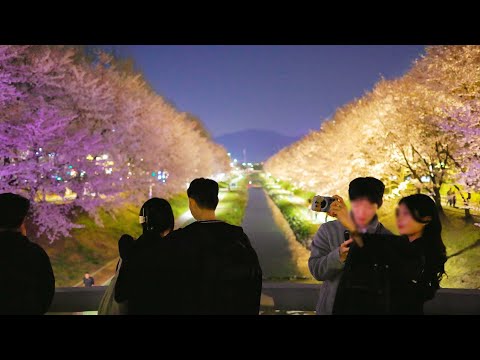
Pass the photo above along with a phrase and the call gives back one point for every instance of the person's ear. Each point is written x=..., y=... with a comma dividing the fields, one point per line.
x=166, y=232
x=23, y=229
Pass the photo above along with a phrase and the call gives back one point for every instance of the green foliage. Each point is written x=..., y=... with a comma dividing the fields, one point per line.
x=232, y=207
x=92, y=246
x=223, y=184
x=179, y=203
x=306, y=195
x=301, y=229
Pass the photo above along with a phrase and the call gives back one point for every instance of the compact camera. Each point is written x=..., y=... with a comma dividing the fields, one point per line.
x=322, y=203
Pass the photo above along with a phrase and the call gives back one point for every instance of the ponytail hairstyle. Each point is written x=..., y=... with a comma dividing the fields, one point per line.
x=159, y=216
x=423, y=210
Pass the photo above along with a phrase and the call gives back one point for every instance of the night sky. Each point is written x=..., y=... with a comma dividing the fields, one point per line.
x=288, y=89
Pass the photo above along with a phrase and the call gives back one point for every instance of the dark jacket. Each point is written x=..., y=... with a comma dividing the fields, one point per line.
x=223, y=270
x=28, y=283
x=88, y=282
x=181, y=273
x=148, y=277
x=387, y=276
x=325, y=264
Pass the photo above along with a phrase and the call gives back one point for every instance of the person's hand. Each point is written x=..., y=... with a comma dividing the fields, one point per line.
x=343, y=250
x=339, y=210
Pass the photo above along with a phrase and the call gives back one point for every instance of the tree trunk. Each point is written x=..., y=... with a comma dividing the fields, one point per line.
x=468, y=215
x=438, y=201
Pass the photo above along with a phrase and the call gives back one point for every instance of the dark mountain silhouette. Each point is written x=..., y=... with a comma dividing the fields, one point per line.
x=259, y=144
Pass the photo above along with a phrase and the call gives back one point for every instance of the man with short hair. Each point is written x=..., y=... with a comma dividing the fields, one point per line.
x=329, y=248
x=220, y=266
x=28, y=283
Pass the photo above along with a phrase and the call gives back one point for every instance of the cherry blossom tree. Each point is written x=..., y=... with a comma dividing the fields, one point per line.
x=78, y=134
x=418, y=129
x=464, y=125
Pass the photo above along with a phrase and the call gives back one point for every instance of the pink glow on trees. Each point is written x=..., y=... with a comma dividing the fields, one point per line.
x=465, y=124
x=94, y=129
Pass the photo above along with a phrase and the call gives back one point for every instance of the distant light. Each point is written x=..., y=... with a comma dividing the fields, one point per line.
x=154, y=174
x=141, y=159
x=40, y=149
x=425, y=179
x=89, y=157
x=70, y=167
x=234, y=160
x=104, y=157
x=229, y=154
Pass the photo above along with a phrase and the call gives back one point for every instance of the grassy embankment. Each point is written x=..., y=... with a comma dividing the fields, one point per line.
x=294, y=205
x=231, y=208
x=91, y=247
x=463, y=246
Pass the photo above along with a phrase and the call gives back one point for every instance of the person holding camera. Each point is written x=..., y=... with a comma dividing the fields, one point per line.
x=330, y=245
x=390, y=274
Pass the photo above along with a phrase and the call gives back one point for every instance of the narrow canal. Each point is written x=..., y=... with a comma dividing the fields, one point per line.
x=270, y=242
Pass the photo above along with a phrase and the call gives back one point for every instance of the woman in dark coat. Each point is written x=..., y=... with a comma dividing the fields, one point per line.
x=388, y=274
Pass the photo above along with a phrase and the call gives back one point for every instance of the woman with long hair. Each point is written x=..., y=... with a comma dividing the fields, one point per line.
x=388, y=274
x=157, y=221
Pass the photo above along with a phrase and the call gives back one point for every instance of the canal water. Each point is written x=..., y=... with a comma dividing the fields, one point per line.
x=268, y=239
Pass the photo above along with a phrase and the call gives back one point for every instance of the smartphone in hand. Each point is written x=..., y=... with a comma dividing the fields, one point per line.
x=346, y=236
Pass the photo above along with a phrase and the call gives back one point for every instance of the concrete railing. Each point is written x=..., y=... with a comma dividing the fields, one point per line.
x=279, y=296
x=294, y=296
